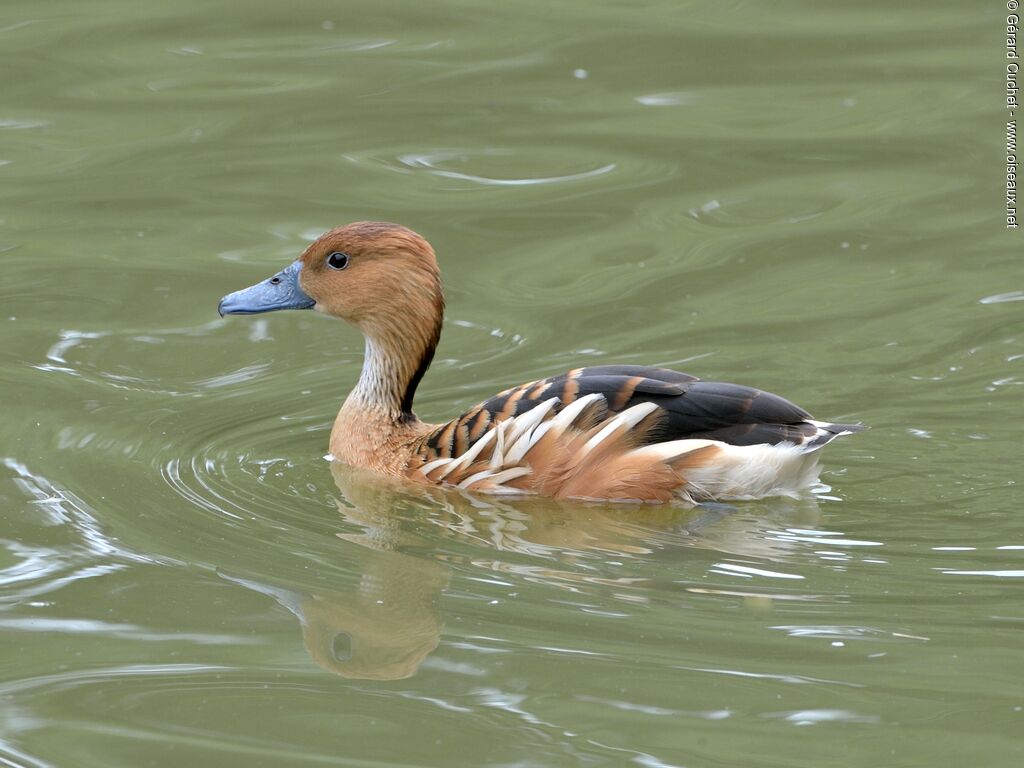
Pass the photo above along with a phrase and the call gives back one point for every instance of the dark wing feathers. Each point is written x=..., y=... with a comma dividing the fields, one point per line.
x=731, y=413
x=692, y=408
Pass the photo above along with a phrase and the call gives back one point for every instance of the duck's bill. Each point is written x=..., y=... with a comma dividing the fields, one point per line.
x=282, y=291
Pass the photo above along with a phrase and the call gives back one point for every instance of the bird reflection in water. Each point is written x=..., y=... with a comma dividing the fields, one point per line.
x=391, y=623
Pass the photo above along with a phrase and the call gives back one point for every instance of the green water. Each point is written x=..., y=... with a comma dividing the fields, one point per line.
x=800, y=196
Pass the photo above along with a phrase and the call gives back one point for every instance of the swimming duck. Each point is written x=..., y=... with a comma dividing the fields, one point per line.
x=605, y=432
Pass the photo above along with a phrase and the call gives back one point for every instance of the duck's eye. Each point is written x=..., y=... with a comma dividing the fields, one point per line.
x=337, y=260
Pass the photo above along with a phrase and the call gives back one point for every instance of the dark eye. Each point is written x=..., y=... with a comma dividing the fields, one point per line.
x=342, y=647
x=337, y=260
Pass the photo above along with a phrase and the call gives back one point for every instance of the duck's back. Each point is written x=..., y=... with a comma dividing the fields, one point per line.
x=628, y=432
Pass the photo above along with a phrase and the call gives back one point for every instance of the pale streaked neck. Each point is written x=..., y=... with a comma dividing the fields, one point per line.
x=392, y=367
x=382, y=381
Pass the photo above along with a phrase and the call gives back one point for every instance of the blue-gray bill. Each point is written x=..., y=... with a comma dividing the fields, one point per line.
x=282, y=291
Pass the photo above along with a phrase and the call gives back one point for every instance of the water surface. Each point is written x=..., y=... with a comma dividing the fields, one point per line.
x=803, y=198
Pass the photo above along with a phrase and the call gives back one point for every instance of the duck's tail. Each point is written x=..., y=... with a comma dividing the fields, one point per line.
x=827, y=432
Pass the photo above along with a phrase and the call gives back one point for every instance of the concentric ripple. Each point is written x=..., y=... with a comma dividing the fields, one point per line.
x=489, y=167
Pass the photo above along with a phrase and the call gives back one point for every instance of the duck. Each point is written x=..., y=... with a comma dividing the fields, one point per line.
x=609, y=433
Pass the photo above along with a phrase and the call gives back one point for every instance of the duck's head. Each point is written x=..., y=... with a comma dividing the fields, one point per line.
x=375, y=275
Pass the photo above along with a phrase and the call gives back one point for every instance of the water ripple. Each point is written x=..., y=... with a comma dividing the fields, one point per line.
x=782, y=678
x=433, y=164
x=816, y=716
x=63, y=506
x=1002, y=298
x=479, y=165
x=111, y=629
x=748, y=571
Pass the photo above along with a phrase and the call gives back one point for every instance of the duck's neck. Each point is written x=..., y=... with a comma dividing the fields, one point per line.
x=377, y=421
x=389, y=378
